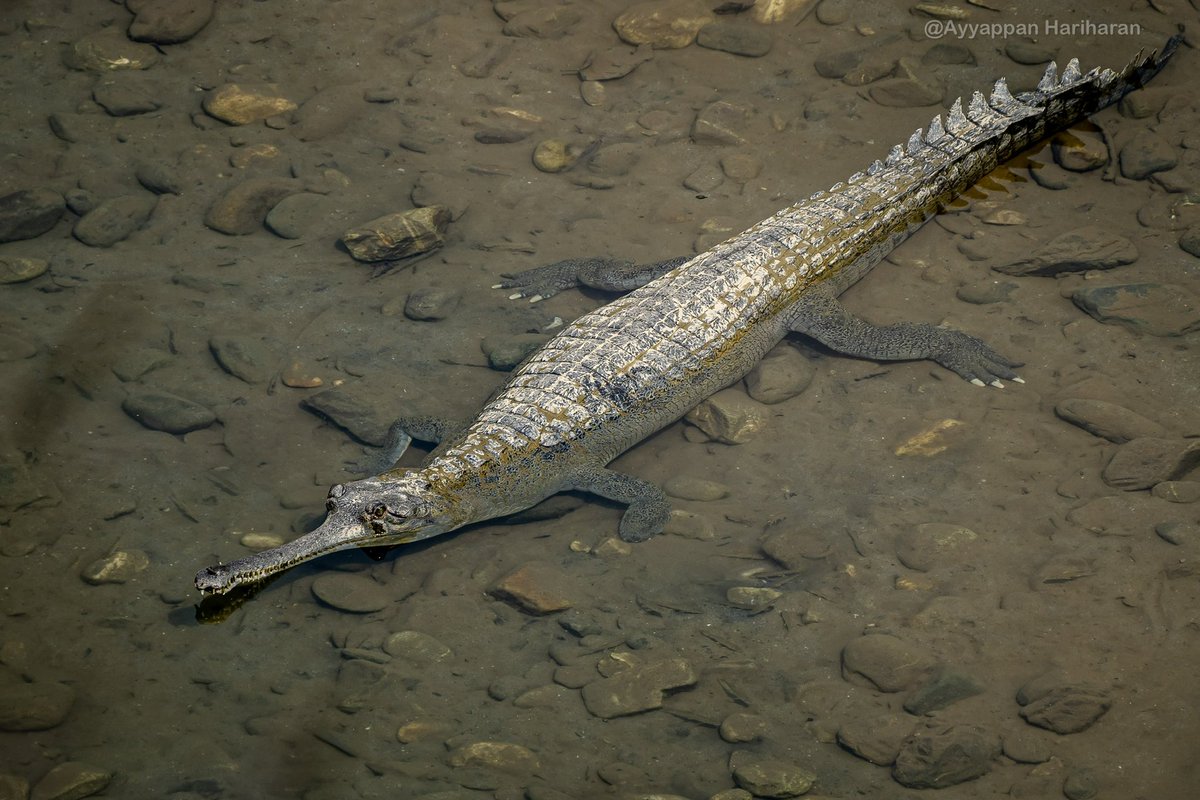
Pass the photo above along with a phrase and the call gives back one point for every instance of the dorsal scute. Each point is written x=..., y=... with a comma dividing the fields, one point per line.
x=916, y=143
x=875, y=168
x=895, y=156
x=957, y=123
x=935, y=132
x=1071, y=75
x=1049, y=80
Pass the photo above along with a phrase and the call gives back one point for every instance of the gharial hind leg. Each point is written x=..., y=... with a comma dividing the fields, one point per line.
x=609, y=274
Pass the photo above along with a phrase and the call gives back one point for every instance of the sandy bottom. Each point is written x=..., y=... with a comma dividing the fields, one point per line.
x=290, y=697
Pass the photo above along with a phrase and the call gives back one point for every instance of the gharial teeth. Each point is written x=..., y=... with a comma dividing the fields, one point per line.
x=1049, y=80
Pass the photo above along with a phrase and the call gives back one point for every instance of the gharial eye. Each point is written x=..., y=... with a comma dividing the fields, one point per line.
x=377, y=511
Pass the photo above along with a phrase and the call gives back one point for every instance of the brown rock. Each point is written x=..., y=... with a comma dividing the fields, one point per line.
x=239, y=104
x=34, y=706
x=109, y=49
x=503, y=756
x=71, y=781
x=538, y=588
x=1086, y=248
x=398, y=235
x=876, y=739
x=636, y=689
x=942, y=755
x=1067, y=709
x=729, y=416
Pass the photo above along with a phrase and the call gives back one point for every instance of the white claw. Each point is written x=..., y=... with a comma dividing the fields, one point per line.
x=515, y=296
x=977, y=382
x=997, y=384
x=1018, y=380
x=497, y=286
x=536, y=298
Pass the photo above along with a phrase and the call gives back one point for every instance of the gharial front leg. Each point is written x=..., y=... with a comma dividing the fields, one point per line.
x=821, y=316
x=400, y=435
x=648, y=508
x=608, y=274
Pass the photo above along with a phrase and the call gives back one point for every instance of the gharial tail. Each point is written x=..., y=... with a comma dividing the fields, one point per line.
x=1022, y=120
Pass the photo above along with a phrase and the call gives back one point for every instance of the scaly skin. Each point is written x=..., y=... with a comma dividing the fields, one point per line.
x=622, y=372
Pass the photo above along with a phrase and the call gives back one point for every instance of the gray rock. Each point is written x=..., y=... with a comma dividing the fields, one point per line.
x=1141, y=463
x=1025, y=52
x=1026, y=746
x=741, y=166
x=615, y=160
x=398, y=235
x=1086, y=248
x=752, y=598
x=945, y=688
x=242, y=209
x=945, y=755
x=906, y=93
x=123, y=99
x=505, y=352
x=29, y=213
x=416, y=646
x=1081, y=784
x=636, y=689
x=295, y=216
x=353, y=410
x=1063, y=708
x=430, y=303
x=932, y=544
x=1145, y=154
x=741, y=38
x=159, y=178
x=163, y=411
x=1107, y=420
x=71, y=781
x=764, y=777
x=943, y=53
x=1189, y=241
x=168, y=21
x=782, y=375
x=741, y=727
x=1144, y=102
x=326, y=113
x=245, y=357
x=729, y=416
x=543, y=22
x=1152, y=308
x=719, y=123
x=1178, y=533
x=615, y=62
x=876, y=738
x=795, y=549
x=34, y=706
x=503, y=756
x=833, y=12
x=1177, y=491
x=113, y=220
x=984, y=293
x=886, y=662
x=838, y=64
x=704, y=180
x=352, y=593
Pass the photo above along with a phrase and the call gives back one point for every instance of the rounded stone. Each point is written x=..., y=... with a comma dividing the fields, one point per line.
x=19, y=270
x=742, y=727
x=351, y=593
x=34, y=706
x=775, y=779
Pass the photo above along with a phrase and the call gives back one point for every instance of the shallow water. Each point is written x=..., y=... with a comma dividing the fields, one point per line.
x=290, y=697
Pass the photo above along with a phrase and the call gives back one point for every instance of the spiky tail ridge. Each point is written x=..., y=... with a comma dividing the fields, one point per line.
x=1017, y=122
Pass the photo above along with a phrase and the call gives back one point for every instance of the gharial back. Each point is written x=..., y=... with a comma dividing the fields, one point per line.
x=619, y=373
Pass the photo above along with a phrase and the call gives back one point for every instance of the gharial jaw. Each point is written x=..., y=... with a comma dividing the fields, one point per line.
x=368, y=513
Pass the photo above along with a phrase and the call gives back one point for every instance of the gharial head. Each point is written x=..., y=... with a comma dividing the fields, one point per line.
x=376, y=511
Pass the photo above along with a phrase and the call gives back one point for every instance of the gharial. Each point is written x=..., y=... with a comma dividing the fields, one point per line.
x=696, y=324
